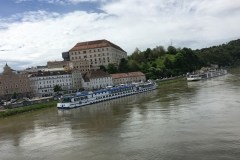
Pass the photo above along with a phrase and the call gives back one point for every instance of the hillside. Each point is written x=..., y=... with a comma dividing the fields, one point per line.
x=160, y=62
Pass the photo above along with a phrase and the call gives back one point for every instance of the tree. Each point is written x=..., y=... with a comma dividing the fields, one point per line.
x=57, y=88
x=133, y=66
x=123, y=66
x=172, y=50
x=111, y=68
x=167, y=63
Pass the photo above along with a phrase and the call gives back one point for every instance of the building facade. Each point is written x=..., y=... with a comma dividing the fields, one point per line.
x=97, y=53
x=57, y=64
x=14, y=83
x=76, y=79
x=96, y=80
x=82, y=65
x=130, y=77
x=43, y=82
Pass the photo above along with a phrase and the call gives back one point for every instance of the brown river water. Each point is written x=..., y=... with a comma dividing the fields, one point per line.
x=179, y=121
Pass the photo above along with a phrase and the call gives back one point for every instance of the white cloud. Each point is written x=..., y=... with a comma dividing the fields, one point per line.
x=41, y=36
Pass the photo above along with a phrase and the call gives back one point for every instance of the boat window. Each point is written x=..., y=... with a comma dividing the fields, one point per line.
x=66, y=99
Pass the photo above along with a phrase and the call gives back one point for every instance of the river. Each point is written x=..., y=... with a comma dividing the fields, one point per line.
x=179, y=121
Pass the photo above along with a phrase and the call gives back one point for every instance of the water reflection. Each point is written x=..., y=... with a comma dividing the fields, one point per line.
x=102, y=116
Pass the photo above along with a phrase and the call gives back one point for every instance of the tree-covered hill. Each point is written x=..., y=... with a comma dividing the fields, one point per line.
x=160, y=62
x=223, y=55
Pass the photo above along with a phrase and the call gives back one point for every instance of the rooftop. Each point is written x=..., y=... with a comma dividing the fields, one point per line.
x=125, y=75
x=49, y=73
x=94, y=44
x=95, y=74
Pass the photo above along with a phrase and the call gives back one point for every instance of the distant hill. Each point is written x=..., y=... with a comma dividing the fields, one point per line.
x=224, y=55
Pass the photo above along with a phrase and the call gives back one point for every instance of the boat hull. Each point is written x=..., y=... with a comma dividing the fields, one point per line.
x=105, y=96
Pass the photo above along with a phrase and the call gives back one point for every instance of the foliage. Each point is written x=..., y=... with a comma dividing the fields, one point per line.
x=222, y=55
x=172, y=50
x=123, y=66
x=159, y=63
x=57, y=88
x=111, y=68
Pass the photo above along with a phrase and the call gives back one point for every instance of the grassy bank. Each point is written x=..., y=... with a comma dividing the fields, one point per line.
x=173, y=80
x=10, y=112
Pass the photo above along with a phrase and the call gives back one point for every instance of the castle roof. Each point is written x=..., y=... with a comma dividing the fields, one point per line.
x=95, y=44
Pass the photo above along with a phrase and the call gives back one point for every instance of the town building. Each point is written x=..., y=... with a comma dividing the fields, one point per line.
x=96, y=80
x=136, y=77
x=43, y=83
x=12, y=82
x=82, y=65
x=76, y=79
x=57, y=64
x=97, y=53
x=130, y=77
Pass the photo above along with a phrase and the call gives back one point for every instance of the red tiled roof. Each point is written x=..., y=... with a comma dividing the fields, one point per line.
x=94, y=44
x=135, y=74
x=125, y=75
x=119, y=75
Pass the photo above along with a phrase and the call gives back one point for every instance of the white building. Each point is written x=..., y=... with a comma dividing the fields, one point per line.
x=43, y=82
x=97, y=53
x=96, y=79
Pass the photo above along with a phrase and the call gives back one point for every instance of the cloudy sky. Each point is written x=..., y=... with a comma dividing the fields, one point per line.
x=33, y=32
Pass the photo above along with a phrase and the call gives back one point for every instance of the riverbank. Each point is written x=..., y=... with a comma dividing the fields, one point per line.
x=19, y=110
x=170, y=80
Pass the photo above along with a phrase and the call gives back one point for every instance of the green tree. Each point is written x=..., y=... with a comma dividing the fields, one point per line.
x=111, y=68
x=133, y=65
x=167, y=63
x=57, y=88
x=172, y=50
x=123, y=66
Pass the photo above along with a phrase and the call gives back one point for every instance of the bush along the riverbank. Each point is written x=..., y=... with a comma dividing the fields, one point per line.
x=10, y=112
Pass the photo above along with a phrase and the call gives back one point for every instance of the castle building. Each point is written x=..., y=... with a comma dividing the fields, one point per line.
x=12, y=82
x=97, y=53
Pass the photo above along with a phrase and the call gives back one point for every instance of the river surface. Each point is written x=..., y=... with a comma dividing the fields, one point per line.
x=179, y=121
